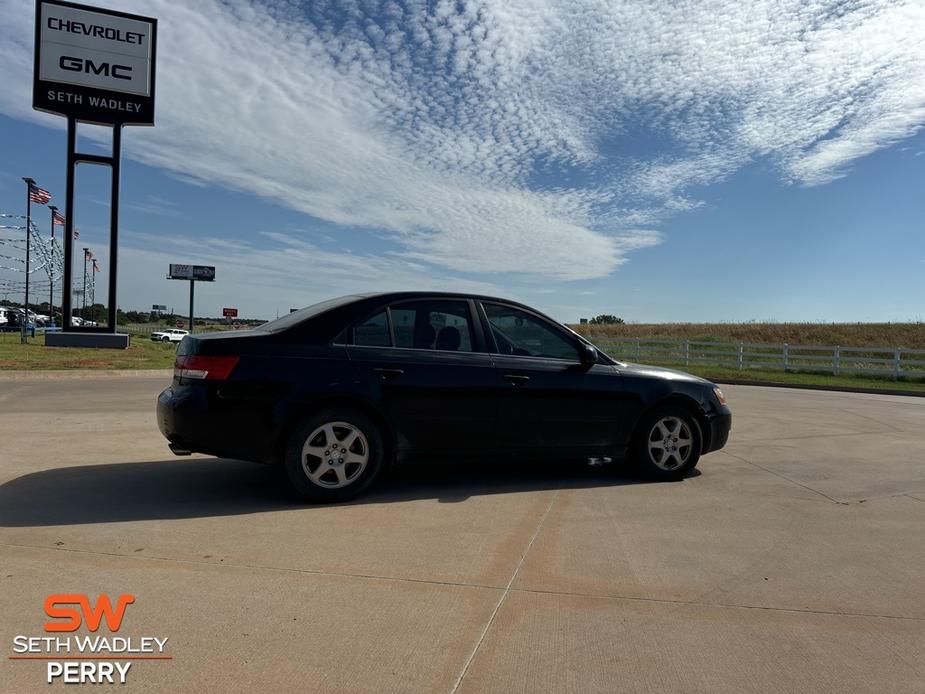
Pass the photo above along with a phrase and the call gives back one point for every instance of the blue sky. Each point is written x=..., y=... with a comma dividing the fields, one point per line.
x=680, y=162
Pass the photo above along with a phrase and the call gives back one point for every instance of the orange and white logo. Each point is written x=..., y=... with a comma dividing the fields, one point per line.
x=57, y=607
x=90, y=658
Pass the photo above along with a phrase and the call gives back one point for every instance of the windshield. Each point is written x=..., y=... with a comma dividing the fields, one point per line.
x=296, y=317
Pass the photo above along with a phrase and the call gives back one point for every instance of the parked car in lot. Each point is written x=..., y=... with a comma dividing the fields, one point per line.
x=169, y=335
x=337, y=391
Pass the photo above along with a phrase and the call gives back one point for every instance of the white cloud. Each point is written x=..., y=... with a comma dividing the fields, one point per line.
x=431, y=125
x=274, y=271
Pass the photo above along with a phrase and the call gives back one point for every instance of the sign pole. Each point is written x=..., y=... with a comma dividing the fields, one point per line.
x=115, y=170
x=192, y=284
x=67, y=291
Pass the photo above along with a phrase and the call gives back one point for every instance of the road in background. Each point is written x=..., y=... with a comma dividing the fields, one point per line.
x=791, y=562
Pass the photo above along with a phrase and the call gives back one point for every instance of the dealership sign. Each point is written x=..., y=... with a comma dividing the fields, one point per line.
x=94, y=65
x=230, y=312
x=200, y=273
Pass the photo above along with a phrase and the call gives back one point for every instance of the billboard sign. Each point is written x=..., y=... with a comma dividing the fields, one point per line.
x=159, y=307
x=200, y=273
x=230, y=312
x=94, y=65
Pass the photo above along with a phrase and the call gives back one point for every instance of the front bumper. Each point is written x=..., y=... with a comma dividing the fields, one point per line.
x=720, y=424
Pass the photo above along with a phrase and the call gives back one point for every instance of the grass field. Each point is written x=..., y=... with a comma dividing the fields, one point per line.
x=143, y=354
x=909, y=335
x=721, y=374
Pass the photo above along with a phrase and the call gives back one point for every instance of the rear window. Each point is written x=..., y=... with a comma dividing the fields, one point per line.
x=296, y=317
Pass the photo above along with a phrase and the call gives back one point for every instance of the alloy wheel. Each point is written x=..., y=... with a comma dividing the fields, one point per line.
x=335, y=455
x=669, y=443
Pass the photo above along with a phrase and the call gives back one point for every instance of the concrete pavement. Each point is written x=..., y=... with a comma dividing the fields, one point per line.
x=792, y=562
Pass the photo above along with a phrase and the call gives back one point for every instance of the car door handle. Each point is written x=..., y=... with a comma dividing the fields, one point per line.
x=389, y=373
x=516, y=379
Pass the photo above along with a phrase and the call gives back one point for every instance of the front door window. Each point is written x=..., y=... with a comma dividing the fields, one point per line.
x=519, y=333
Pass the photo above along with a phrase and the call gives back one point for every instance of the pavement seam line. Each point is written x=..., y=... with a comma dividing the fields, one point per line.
x=784, y=477
x=803, y=437
x=504, y=594
x=871, y=419
x=454, y=584
x=724, y=605
x=255, y=567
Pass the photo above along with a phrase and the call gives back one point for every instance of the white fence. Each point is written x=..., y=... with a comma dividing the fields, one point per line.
x=892, y=362
x=141, y=330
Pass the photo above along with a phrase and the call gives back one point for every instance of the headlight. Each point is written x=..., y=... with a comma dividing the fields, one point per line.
x=719, y=395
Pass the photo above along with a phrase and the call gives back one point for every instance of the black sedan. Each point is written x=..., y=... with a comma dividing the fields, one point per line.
x=337, y=391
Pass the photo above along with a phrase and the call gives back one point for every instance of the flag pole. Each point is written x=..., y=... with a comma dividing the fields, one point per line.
x=51, y=270
x=84, y=311
x=25, y=323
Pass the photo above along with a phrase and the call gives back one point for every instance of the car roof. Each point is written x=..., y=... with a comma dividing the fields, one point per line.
x=388, y=296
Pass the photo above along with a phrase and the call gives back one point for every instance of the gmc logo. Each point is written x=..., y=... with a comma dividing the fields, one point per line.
x=58, y=607
x=120, y=72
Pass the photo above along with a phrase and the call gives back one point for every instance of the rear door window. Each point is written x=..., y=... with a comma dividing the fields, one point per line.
x=443, y=325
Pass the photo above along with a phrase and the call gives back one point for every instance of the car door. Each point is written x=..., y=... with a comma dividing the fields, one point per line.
x=548, y=401
x=426, y=364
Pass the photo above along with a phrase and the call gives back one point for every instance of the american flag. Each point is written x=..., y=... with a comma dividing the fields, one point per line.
x=39, y=195
x=58, y=218
x=76, y=233
x=87, y=254
x=96, y=267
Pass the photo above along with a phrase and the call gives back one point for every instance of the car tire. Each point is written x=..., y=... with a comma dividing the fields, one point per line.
x=321, y=472
x=667, y=443
x=165, y=339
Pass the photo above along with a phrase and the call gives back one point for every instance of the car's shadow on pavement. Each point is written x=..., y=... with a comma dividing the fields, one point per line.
x=210, y=487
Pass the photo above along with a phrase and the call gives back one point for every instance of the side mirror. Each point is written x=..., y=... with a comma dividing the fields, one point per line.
x=588, y=354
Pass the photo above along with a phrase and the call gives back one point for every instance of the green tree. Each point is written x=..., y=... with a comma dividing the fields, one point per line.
x=606, y=319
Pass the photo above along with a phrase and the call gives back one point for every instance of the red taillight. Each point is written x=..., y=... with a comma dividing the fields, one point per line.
x=204, y=368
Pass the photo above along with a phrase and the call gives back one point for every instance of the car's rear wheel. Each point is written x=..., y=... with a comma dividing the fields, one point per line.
x=334, y=455
x=667, y=443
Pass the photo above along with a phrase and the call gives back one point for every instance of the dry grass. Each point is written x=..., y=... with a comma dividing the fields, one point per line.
x=909, y=335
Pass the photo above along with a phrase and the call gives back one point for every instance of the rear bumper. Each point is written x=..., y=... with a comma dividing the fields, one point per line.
x=720, y=425
x=194, y=420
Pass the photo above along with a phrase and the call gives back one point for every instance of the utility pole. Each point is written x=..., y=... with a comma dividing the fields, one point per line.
x=25, y=316
x=51, y=270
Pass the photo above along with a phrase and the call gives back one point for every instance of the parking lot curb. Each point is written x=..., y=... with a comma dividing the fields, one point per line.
x=802, y=386
x=75, y=374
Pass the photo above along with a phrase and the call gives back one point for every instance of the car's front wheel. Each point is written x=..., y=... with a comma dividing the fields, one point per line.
x=668, y=443
x=165, y=339
x=334, y=455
